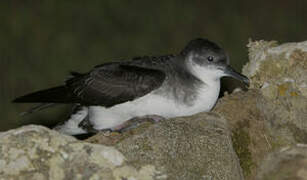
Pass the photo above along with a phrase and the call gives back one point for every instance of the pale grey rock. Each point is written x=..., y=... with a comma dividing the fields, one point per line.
x=195, y=147
x=257, y=52
x=260, y=51
x=35, y=152
x=286, y=163
x=278, y=69
x=281, y=77
x=272, y=114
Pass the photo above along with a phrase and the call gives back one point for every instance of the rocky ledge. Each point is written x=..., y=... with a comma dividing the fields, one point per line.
x=256, y=134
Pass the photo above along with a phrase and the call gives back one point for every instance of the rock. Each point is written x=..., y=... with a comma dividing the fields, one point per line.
x=284, y=164
x=196, y=147
x=246, y=122
x=35, y=152
x=273, y=113
x=262, y=53
x=281, y=78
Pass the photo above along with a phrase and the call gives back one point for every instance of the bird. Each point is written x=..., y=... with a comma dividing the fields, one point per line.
x=111, y=94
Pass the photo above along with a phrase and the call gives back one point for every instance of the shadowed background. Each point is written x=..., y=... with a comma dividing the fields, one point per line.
x=41, y=41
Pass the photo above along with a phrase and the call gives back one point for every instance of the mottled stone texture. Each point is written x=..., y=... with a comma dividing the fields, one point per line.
x=196, y=147
x=35, y=152
x=272, y=114
x=284, y=164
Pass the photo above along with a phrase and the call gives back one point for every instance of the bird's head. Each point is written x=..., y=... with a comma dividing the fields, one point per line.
x=208, y=62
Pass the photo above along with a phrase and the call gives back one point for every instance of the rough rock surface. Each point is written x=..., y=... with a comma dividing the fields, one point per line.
x=282, y=79
x=273, y=113
x=287, y=163
x=35, y=152
x=196, y=147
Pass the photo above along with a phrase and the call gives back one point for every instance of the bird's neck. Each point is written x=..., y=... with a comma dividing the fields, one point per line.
x=208, y=76
x=208, y=95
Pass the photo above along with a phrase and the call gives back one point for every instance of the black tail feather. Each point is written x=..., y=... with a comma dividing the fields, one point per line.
x=58, y=94
x=38, y=108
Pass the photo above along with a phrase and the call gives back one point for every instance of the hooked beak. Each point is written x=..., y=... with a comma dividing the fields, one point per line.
x=229, y=71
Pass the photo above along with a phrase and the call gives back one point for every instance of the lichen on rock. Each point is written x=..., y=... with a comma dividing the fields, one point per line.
x=273, y=112
x=286, y=163
x=35, y=152
x=281, y=78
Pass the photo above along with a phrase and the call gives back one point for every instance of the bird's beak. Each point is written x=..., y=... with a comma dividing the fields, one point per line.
x=229, y=71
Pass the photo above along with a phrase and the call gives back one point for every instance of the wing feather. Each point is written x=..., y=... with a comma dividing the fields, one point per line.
x=115, y=83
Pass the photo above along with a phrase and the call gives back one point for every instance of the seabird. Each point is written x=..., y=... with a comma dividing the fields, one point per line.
x=165, y=86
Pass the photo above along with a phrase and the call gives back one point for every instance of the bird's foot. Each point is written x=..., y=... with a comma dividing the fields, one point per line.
x=152, y=118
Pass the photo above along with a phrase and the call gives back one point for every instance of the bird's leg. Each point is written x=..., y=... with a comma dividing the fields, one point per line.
x=136, y=122
x=86, y=125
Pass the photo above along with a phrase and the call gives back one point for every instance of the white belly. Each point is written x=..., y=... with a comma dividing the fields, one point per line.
x=153, y=104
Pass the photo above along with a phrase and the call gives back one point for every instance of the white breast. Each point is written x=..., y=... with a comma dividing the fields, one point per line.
x=153, y=104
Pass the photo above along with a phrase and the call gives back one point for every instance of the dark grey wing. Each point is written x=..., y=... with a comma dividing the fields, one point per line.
x=114, y=83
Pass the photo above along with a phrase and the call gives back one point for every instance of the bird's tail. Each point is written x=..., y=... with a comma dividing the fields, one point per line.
x=39, y=107
x=46, y=98
x=59, y=94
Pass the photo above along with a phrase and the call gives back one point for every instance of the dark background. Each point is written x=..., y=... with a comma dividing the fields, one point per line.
x=42, y=40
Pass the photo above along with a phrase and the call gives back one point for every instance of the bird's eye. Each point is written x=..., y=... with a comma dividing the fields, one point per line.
x=210, y=58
